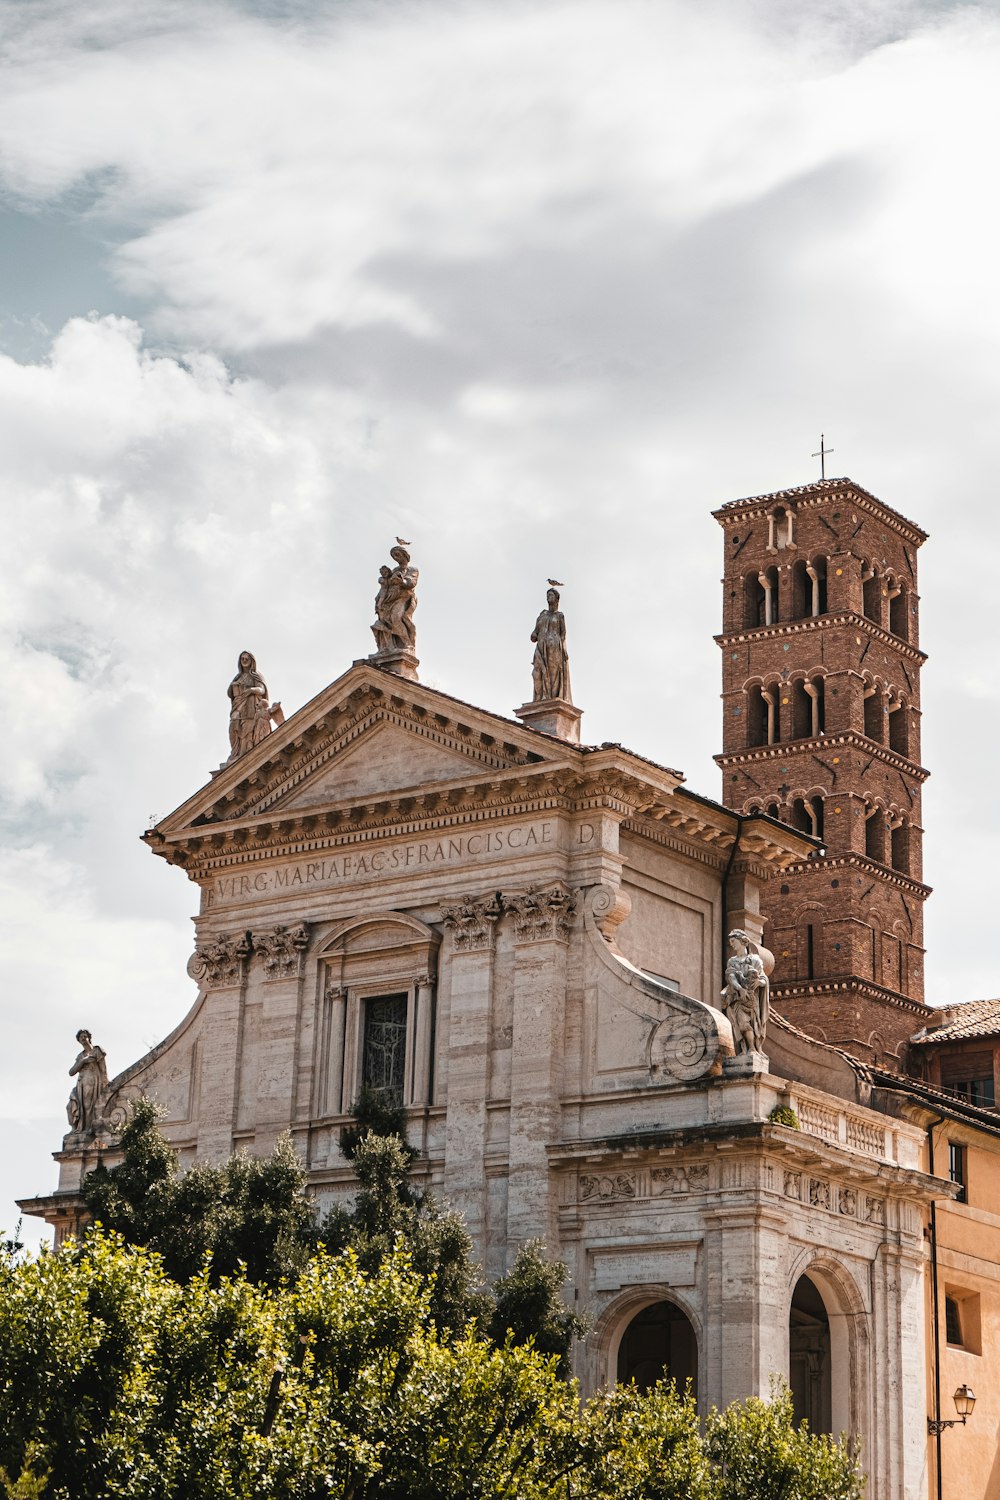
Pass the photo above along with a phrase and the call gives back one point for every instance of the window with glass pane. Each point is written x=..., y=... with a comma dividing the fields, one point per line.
x=956, y=1167
x=977, y=1091
x=952, y=1321
x=384, y=1056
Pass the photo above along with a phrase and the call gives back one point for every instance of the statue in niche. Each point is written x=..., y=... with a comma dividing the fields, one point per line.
x=85, y=1108
x=395, y=602
x=550, y=667
x=250, y=716
x=746, y=999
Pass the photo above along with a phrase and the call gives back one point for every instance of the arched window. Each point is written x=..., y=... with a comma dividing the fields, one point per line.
x=807, y=708
x=816, y=573
x=757, y=716
x=780, y=531
x=899, y=612
x=659, y=1344
x=809, y=1361
x=806, y=814
x=899, y=726
x=753, y=601
x=899, y=839
x=874, y=717
x=872, y=595
x=768, y=583
x=875, y=833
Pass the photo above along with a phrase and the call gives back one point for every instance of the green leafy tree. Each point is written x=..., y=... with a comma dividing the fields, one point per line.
x=252, y=1212
x=644, y=1445
x=758, y=1453
x=528, y=1307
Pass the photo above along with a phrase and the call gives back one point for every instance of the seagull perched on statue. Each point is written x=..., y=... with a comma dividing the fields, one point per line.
x=554, y=583
x=401, y=543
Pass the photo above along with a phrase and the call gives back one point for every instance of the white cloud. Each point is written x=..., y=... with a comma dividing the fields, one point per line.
x=538, y=285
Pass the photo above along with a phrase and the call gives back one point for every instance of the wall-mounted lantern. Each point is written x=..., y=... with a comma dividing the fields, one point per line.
x=965, y=1400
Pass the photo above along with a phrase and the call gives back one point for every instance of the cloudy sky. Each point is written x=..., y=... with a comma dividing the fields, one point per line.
x=535, y=284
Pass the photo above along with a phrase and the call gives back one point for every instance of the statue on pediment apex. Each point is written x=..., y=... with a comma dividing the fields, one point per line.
x=395, y=602
x=550, y=666
x=250, y=714
x=85, y=1109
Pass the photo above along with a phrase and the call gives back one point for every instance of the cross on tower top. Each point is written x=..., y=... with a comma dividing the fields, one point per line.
x=821, y=455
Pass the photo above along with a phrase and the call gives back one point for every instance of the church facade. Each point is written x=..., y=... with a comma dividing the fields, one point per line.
x=522, y=939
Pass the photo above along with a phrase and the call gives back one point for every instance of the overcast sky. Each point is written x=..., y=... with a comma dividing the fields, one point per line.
x=536, y=285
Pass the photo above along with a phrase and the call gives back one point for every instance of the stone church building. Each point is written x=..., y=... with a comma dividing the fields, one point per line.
x=523, y=939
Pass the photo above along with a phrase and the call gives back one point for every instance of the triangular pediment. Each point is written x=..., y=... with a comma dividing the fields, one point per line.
x=367, y=736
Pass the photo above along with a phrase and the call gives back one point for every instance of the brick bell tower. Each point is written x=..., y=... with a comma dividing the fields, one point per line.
x=821, y=694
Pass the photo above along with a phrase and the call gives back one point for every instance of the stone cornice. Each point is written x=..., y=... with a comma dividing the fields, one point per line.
x=857, y=861
x=800, y=989
x=760, y=844
x=808, y=496
x=602, y=784
x=844, y=618
x=849, y=740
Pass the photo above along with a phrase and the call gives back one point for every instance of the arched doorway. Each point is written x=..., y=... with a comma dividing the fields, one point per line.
x=809, y=1359
x=659, y=1343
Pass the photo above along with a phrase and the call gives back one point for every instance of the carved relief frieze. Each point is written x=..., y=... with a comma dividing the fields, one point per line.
x=819, y=1193
x=282, y=949
x=221, y=961
x=793, y=1185
x=679, y=1179
x=847, y=1202
x=610, y=1185
x=472, y=922
x=874, y=1210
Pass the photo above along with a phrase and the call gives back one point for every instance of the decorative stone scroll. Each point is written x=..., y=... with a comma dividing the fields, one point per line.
x=472, y=921
x=541, y=913
x=282, y=948
x=221, y=961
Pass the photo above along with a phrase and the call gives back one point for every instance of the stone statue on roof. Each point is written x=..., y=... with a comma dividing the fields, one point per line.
x=746, y=999
x=250, y=715
x=85, y=1109
x=395, y=603
x=550, y=666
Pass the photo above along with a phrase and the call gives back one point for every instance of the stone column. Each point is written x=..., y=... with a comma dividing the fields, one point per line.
x=745, y=1299
x=897, y=1452
x=423, y=1031
x=542, y=921
x=471, y=926
x=219, y=967
x=280, y=950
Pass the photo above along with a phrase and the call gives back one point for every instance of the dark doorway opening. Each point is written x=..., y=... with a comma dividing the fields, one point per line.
x=809, y=1357
x=659, y=1344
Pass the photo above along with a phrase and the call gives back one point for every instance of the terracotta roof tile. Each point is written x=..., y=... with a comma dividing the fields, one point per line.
x=972, y=1019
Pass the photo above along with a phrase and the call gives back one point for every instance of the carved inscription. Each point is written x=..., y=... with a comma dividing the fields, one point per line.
x=367, y=863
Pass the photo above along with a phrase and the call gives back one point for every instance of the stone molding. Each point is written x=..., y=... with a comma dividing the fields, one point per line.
x=282, y=949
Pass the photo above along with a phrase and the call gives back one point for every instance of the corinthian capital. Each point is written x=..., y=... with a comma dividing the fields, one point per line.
x=282, y=949
x=541, y=913
x=220, y=961
x=472, y=921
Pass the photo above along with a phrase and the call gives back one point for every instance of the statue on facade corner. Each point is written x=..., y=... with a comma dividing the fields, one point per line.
x=395, y=602
x=85, y=1108
x=250, y=715
x=550, y=666
x=746, y=999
